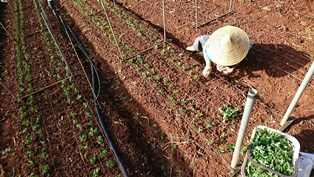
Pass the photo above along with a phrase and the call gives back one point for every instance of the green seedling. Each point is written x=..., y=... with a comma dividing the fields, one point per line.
x=109, y=163
x=45, y=169
x=30, y=153
x=31, y=163
x=28, y=140
x=100, y=140
x=223, y=135
x=93, y=160
x=182, y=111
x=208, y=123
x=199, y=130
x=220, y=150
x=209, y=142
x=83, y=138
x=5, y=151
x=43, y=155
x=96, y=172
x=227, y=112
x=102, y=154
x=192, y=121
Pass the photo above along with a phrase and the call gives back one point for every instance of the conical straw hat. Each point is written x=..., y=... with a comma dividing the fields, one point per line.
x=227, y=46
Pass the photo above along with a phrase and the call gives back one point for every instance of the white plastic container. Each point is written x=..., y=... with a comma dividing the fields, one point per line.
x=295, y=144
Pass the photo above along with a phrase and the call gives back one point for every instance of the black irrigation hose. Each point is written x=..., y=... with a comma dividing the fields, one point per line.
x=97, y=107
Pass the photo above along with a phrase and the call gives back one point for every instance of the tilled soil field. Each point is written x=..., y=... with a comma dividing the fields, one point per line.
x=164, y=117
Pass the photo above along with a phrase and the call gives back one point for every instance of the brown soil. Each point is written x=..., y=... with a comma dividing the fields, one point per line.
x=161, y=113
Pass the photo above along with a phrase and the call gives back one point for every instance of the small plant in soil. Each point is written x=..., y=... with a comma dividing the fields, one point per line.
x=45, y=170
x=96, y=172
x=102, y=154
x=192, y=121
x=230, y=147
x=220, y=150
x=223, y=135
x=109, y=163
x=227, y=112
x=208, y=123
x=209, y=142
x=93, y=160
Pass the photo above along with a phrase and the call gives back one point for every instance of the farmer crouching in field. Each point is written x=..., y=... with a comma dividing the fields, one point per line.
x=226, y=47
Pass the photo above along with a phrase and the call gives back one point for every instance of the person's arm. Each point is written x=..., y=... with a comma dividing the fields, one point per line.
x=208, y=68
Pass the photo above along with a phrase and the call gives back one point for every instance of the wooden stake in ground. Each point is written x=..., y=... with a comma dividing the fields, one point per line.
x=164, y=19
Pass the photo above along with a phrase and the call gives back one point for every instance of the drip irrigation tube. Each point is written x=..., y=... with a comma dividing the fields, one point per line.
x=95, y=86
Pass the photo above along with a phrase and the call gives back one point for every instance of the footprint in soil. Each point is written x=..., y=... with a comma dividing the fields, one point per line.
x=277, y=60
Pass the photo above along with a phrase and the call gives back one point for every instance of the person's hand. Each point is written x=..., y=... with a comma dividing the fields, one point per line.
x=225, y=69
x=207, y=70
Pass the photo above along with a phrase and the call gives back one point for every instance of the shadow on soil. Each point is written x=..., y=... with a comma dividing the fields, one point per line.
x=142, y=144
x=142, y=135
x=277, y=60
x=303, y=138
x=3, y=35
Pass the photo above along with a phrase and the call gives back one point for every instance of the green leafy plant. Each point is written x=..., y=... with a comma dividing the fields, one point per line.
x=209, y=142
x=96, y=172
x=102, y=154
x=208, y=123
x=227, y=112
x=220, y=150
x=45, y=169
x=28, y=140
x=273, y=150
x=31, y=163
x=93, y=160
x=109, y=163
x=83, y=137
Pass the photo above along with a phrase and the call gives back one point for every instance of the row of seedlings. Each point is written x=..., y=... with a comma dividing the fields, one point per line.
x=91, y=142
x=34, y=140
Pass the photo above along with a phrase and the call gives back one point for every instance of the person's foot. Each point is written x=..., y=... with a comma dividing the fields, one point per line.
x=191, y=48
